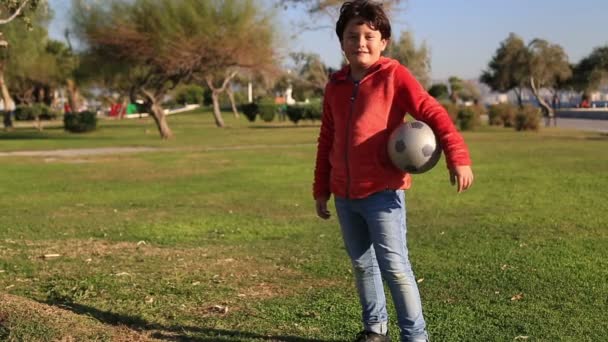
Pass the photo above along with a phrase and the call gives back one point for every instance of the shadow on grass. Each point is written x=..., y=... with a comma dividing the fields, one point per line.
x=175, y=332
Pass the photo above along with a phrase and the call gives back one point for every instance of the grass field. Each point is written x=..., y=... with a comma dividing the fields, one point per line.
x=213, y=237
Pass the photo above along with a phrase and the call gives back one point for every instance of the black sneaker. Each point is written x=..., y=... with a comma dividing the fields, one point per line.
x=368, y=336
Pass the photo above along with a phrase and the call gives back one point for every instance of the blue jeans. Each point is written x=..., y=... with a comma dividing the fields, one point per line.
x=374, y=231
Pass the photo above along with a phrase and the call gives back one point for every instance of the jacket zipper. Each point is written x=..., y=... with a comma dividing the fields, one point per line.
x=348, y=136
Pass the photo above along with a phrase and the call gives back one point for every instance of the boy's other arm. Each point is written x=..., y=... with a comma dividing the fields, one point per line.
x=321, y=188
x=462, y=175
x=425, y=108
x=321, y=207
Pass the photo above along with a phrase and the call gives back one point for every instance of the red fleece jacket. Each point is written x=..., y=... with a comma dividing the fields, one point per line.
x=358, y=117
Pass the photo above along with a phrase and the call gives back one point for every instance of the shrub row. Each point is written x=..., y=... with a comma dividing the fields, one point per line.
x=468, y=118
x=508, y=115
x=80, y=122
x=268, y=111
x=37, y=110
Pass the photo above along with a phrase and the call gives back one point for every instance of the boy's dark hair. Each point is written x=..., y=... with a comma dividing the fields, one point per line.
x=371, y=12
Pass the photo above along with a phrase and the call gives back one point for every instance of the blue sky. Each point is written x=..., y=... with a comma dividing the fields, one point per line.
x=462, y=35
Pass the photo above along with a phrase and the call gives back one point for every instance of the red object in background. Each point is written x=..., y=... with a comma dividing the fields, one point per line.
x=67, y=108
x=116, y=109
x=585, y=104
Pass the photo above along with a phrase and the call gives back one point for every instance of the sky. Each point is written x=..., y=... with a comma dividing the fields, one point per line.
x=462, y=35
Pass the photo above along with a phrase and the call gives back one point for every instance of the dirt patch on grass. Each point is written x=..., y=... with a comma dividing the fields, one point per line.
x=25, y=318
x=247, y=275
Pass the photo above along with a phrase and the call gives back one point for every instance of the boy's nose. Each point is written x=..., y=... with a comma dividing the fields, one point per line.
x=361, y=41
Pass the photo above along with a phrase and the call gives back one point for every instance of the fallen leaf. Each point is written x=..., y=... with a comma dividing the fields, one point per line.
x=521, y=338
x=219, y=309
x=52, y=255
x=518, y=296
x=420, y=280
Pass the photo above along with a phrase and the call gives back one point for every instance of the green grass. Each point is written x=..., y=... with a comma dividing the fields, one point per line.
x=158, y=244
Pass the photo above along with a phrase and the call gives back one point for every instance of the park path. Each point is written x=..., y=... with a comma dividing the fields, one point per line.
x=565, y=123
x=79, y=152
x=82, y=152
x=583, y=124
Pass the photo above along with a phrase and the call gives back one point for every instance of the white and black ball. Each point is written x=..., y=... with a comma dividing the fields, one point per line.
x=413, y=147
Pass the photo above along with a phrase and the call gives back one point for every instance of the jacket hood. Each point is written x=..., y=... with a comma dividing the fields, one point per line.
x=382, y=64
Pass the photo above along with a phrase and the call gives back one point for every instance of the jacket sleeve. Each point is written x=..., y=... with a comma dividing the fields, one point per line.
x=321, y=187
x=424, y=107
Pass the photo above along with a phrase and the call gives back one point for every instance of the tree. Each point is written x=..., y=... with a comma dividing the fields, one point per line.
x=13, y=9
x=416, y=59
x=157, y=44
x=462, y=90
x=517, y=66
x=247, y=42
x=310, y=75
x=33, y=78
x=439, y=91
x=318, y=6
x=508, y=68
x=548, y=65
x=316, y=9
x=592, y=71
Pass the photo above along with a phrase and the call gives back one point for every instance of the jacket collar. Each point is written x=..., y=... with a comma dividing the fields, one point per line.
x=344, y=73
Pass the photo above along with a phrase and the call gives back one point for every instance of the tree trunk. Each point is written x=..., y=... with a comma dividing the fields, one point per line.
x=9, y=105
x=548, y=113
x=517, y=92
x=215, y=96
x=157, y=112
x=217, y=114
x=232, y=102
x=72, y=91
x=161, y=122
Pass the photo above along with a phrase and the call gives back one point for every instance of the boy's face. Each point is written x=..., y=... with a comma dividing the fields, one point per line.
x=361, y=44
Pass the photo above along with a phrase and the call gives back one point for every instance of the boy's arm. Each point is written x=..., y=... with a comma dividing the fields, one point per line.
x=424, y=107
x=321, y=189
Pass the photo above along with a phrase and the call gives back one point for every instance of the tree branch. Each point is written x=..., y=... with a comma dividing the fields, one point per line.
x=17, y=11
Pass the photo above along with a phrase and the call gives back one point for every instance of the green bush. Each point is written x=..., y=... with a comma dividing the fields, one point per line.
x=527, y=119
x=189, y=94
x=44, y=112
x=309, y=111
x=250, y=110
x=24, y=113
x=267, y=110
x=468, y=118
x=314, y=110
x=37, y=110
x=80, y=122
x=502, y=114
x=295, y=113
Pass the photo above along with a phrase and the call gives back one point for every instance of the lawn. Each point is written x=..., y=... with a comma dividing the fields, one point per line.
x=212, y=236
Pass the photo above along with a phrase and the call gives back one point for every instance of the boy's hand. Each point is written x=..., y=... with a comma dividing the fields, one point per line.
x=461, y=175
x=321, y=206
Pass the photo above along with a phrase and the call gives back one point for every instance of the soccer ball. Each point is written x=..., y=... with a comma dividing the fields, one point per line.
x=413, y=147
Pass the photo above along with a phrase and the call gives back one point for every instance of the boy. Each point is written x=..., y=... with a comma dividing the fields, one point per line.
x=364, y=102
